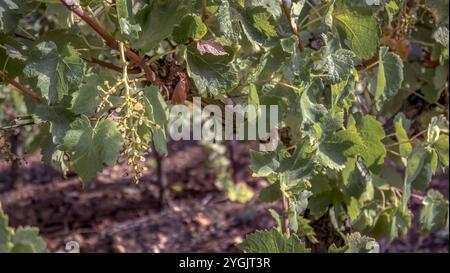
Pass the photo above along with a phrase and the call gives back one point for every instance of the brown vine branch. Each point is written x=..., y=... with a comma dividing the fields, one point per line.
x=287, y=11
x=10, y=127
x=20, y=87
x=112, y=66
x=113, y=43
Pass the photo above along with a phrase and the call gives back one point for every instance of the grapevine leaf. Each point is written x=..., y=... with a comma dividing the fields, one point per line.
x=157, y=21
x=190, y=28
x=210, y=47
x=5, y=232
x=371, y=133
x=92, y=146
x=357, y=243
x=277, y=217
x=389, y=76
x=258, y=26
x=442, y=149
x=86, y=99
x=10, y=14
x=270, y=62
x=402, y=124
x=270, y=193
x=441, y=35
x=335, y=149
x=24, y=240
x=264, y=163
x=51, y=155
x=59, y=118
x=420, y=168
x=28, y=237
x=393, y=222
x=297, y=205
x=211, y=74
x=261, y=21
x=434, y=214
x=359, y=30
x=240, y=192
x=335, y=63
x=227, y=26
x=357, y=179
x=272, y=241
x=56, y=74
x=158, y=114
x=126, y=19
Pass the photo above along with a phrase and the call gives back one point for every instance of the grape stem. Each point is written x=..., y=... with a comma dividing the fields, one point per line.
x=112, y=66
x=15, y=126
x=287, y=11
x=22, y=88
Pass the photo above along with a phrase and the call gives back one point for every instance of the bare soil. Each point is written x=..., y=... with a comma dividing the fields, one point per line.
x=112, y=214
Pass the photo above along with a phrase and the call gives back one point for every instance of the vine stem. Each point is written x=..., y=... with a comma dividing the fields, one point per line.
x=113, y=43
x=22, y=88
x=10, y=127
x=284, y=205
x=417, y=94
x=287, y=12
x=112, y=66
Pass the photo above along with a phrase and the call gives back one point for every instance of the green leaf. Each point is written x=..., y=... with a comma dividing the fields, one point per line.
x=357, y=179
x=356, y=243
x=335, y=149
x=258, y=27
x=28, y=237
x=92, y=147
x=272, y=241
x=157, y=21
x=159, y=106
x=269, y=63
x=12, y=57
x=5, y=232
x=434, y=214
x=264, y=163
x=441, y=35
x=229, y=28
x=190, y=28
x=402, y=125
x=126, y=19
x=10, y=14
x=211, y=74
x=23, y=240
x=59, y=118
x=371, y=133
x=86, y=99
x=389, y=76
x=335, y=63
x=297, y=205
x=261, y=20
x=392, y=222
x=419, y=171
x=158, y=114
x=441, y=148
x=277, y=217
x=271, y=193
x=359, y=30
x=57, y=75
x=240, y=192
x=50, y=153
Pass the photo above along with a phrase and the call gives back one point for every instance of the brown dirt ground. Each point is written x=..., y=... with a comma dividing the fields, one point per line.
x=111, y=214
